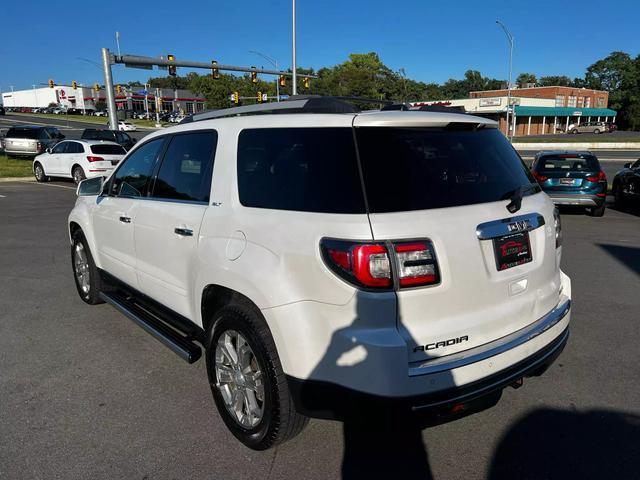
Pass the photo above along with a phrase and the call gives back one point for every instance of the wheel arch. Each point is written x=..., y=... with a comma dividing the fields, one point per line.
x=215, y=296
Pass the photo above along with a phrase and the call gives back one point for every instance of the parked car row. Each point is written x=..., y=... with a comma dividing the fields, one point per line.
x=592, y=127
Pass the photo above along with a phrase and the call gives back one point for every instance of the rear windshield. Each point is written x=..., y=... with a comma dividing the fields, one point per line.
x=98, y=135
x=108, y=149
x=305, y=169
x=31, y=133
x=421, y=168
x=562, y=163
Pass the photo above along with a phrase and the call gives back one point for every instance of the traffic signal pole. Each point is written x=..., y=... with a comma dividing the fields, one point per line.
x=108, y=86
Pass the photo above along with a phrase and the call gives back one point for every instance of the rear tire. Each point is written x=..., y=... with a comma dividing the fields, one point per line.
x=574, y=131
x=263, y=416
x=85, y=272
x=597, y=211
x=38, y=172
x=78, y=174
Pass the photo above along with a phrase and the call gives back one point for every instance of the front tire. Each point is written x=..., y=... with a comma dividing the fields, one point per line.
x=38, y=172
x=85, y=272
x=247, y=381
x=78, y=174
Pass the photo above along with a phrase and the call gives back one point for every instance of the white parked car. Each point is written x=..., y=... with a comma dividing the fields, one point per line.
x=125, y=126
x=330, y=264
x=78, y=159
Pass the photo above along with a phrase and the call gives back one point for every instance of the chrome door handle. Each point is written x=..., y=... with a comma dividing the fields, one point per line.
x=185, y=232
x=125, y=219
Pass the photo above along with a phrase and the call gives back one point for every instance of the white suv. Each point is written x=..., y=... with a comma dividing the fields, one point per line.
x=327, y=261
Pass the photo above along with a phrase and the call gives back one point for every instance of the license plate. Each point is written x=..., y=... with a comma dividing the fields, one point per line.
x=567, y=181
x=512, y=250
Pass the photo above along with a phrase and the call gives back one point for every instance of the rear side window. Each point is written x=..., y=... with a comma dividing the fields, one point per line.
x=185, y=173
x=422, y=168
x=108, y=150
x=304, y=169
x=31, y=133
x=75, y=147
x=567, y=162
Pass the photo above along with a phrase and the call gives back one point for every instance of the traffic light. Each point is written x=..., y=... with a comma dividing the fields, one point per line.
x=51, y=84
x=118, y=89
x=305, y=82
x=96, y=87
x=215, y=73
x=259, y=94
x=74, y=85
x=171, y=68
x=235, y=97
x=254, y=76
x=282, y=80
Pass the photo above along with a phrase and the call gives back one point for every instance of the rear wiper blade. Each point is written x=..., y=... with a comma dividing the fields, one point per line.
x=516, y=197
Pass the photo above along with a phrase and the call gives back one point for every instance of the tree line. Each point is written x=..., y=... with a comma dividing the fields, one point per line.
x=365, y=75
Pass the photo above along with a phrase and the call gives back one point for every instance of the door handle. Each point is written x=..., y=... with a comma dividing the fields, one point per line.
x=125, y=219
x=185, y=232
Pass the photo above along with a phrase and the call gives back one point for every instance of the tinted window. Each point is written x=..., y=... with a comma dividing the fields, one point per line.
x=60, y=148
x=185, y=173
x=75, y=147
x=422, y=168
x=93, y=134
x=131, y=178
x=31, y=133
x=43, y=134
x=108, y=150
x=568, y=162
x=306, y=169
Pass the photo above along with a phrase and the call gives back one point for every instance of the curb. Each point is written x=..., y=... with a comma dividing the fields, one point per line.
x=17, y=179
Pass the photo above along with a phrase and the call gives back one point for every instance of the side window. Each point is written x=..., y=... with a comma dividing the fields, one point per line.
x=43, y=134
x=75, y=147
x=120, y=137
x=636, y=164
x=60, y=148
x=185, y=173
x=131, y=178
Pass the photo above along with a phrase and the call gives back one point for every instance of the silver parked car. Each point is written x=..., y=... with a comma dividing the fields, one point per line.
x=590, y=127
x=30, y=140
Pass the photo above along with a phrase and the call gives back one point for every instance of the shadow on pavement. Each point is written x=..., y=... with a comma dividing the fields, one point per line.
x=556, y=444
x=628, y=256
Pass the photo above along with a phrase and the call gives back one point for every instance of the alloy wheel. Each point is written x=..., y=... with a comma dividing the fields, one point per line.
x=81, y=268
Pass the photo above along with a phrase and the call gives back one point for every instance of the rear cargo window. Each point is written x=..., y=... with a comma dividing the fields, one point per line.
x=559, y=163
x=305, y=169
x=93, y=134
x=31, y=133
x=422, y=168
x=108, y=150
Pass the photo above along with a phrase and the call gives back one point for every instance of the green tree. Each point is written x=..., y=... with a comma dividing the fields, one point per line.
x=525, y=78
x=555, y=80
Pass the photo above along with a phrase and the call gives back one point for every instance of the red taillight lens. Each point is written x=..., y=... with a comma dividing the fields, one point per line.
x=369, y=264
x=600, y=177
x=416, y=264
x=540, y=178
x=39, y=146
x=91, y=158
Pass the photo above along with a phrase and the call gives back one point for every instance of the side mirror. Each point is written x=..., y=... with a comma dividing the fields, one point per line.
x=48, y=150
x=627, y=165
x=90, y=187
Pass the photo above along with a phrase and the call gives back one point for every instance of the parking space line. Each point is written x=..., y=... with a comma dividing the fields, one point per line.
x=47, y=185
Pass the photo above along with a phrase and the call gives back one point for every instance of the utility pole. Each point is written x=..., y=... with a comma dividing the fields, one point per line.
x=294, y=88
x=118, y=42
x=510, y=38
x=146, y=99
x=108, y=86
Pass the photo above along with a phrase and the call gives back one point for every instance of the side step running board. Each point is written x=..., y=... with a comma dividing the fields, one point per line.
x=183, y=346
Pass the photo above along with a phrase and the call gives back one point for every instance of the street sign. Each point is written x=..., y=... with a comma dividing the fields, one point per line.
x=284, y=97
x=265, y=97
x=143, y=92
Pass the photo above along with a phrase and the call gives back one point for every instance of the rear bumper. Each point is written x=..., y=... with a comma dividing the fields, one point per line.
x=21, y=153
x=578, y=199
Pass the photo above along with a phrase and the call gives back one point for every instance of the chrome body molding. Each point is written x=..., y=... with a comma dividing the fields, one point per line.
x=500, y=228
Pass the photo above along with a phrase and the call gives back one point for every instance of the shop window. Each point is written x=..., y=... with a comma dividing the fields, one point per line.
x=571, y=101
x=559, y=100
x=587, y=102
x=600, y=101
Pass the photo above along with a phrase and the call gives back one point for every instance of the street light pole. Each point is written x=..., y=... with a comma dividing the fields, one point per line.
x=108, y=86
x=273, y=62
x=294, y=88
x=510, y=38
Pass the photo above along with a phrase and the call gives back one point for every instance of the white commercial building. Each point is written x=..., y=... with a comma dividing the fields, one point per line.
x=82, y=98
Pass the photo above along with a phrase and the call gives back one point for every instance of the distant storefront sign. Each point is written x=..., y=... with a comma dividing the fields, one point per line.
x=490, y=102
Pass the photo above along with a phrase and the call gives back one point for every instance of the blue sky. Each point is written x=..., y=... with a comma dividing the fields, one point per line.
x=431, y=40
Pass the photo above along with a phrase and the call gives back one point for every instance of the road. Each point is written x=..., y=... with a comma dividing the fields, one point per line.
x=84, y=393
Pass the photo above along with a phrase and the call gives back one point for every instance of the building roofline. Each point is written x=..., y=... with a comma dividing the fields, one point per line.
x=534, y=88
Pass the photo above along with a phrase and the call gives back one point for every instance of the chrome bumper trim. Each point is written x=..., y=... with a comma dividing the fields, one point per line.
x=488, y=350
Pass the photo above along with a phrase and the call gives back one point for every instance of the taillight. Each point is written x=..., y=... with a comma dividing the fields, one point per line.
x=368, y=265
x=599, y=177
x=540, y=178
x=39, y=147
x=91, y=158
x=416, y=264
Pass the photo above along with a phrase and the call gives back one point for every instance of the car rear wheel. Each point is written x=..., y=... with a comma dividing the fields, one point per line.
x=247, y=380
x=597, y=211
x=78, y=174
x=596, y=131
x=574, y=131
x=38, y=172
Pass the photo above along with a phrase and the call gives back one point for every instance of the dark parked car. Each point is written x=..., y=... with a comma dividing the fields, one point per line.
x=626, y=184
x=2, y=112
x=110, y=135
x=572, y=178
x=30, y=140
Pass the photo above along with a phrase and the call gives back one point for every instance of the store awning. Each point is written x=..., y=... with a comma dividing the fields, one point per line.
x=563, y=112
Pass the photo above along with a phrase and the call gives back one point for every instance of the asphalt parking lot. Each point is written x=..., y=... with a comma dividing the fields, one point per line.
x=84, y=393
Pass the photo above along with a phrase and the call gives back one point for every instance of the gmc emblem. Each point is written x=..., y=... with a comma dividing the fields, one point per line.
x=519, y=226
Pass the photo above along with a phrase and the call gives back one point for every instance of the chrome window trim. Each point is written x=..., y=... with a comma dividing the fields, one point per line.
x=500, y=228
x=491, y=349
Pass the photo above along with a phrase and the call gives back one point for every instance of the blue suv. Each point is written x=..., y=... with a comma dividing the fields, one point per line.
x=572, y=178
